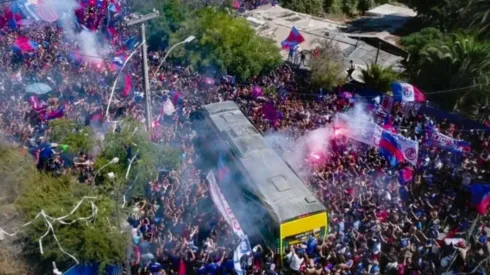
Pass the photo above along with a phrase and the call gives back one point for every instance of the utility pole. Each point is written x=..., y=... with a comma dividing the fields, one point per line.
x=146, y=84
x=377, y=53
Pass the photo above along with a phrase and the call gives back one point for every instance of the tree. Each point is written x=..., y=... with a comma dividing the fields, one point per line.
x=90, y=241
x=77, y=137
x=313, y=7
x=27, y=191
x=327, y=68
x=225, y=44
x=444, y=14
x=378, y=78
x=16, y=172
x=416, y=42
x=459, y=60
x=129, y=142
x=172, y=14
x=477, y=15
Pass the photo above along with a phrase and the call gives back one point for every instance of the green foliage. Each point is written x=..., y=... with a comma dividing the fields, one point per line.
x=93, y=241
x=150, y=156
x=477, y=15
x=379, y=78
x=444, y=14
x=16, y=171
x=327, y=68
x=459, y=60
x=416, y=42
x=172, y=14
x=77, y=137
x=226, y=44
x=313, y=7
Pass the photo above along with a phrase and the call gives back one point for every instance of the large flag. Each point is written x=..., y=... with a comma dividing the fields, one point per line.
x=38, y=10
x=480, y=197
x=435, y=138
x=391, y=149
x=367, y=132
x=404, y=92
x=397, y=148
x=23, y=44
x=294, y=38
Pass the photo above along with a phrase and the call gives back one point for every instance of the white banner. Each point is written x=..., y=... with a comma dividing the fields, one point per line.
x=223, y=207
x=242, y=249
x=368, y=133
x=225, y=210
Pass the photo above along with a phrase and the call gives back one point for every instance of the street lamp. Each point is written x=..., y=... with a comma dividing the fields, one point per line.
x=185, y=41
x=117, y=77
x=113, y=161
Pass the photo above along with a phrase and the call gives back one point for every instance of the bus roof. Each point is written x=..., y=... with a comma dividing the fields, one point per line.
x=273, y=181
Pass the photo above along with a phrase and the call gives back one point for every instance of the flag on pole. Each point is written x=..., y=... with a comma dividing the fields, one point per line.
x=480, y=197
x=128, y=85
x=294, y=38
x=24, y=44
x=404, y=92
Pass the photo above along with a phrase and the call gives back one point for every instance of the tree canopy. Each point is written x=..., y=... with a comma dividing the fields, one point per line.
x=379, y=78
x=129, y=142
x=225, y=44
x=77, y=137
x=30, y=192
x=327, y=67
x=91, y=241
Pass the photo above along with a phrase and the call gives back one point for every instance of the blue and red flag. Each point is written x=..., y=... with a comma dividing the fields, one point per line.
x=58, y=113
x=23, y=44
x=223, y=170
x=406, y=175
x=271, y=113
x=480, y=197
x=176, y=97
x=128, y=85
x=391, y=149
x=294, y=38
x=13, y=15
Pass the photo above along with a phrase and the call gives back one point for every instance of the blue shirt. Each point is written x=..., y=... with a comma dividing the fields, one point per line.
x=155, y=267
x=212, y=268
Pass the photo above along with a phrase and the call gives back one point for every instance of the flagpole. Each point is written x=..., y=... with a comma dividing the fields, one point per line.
x=470, y=232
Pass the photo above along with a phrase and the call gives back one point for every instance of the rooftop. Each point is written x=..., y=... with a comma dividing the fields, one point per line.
x=276, y=22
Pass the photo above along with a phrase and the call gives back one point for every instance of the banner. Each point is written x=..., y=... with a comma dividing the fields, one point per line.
x=408, y=147
x=242, y=249
x=225, y=210
x=223, y=206
x=368, y=133
x=435, y=138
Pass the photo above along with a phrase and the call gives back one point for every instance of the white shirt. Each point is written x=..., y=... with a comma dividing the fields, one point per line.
x=294, y=261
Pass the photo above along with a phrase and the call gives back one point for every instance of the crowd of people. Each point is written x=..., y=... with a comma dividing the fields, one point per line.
x=377, y=224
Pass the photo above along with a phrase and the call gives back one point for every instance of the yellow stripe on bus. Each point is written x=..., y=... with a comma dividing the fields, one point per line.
x=314, y=222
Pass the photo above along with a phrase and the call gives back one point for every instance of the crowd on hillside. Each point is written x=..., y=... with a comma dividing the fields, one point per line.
x=378, y=225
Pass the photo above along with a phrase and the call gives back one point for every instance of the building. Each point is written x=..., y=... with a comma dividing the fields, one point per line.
x=275, y=22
